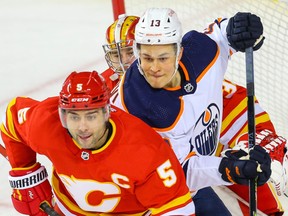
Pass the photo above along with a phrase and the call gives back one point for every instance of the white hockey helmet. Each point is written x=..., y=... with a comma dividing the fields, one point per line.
x=158, y=26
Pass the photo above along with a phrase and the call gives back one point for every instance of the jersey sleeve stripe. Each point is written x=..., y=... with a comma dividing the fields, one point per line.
x=7, y=127
x=209, y=66
x=259, y=119
x=233, y=115
x=172, y=205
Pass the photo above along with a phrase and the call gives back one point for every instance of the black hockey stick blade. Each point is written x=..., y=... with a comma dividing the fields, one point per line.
x=48, y=209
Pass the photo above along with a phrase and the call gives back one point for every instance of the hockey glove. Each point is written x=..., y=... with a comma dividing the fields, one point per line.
x=236, y=168
x=30, y=189
x=276, y=147
x=245, y=30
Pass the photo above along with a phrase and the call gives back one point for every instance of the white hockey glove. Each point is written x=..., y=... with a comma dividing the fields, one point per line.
x=276, y=147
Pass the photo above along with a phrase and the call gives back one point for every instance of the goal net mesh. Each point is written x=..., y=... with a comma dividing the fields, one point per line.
x=270, y=62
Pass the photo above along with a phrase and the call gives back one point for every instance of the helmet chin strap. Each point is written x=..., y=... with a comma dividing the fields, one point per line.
x=176, y=62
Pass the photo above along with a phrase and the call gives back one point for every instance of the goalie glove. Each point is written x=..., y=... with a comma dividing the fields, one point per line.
x=276, y=147
x=30, y=188
x=245, y=30
x=235, y=166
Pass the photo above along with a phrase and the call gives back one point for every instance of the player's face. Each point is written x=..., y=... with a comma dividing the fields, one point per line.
x=87, y=127
x=126, y=57
x=158, y=64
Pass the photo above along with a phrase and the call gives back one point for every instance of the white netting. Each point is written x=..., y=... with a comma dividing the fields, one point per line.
x=270, y=62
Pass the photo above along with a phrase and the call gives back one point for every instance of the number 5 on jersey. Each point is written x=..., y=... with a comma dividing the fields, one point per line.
x=167, y=174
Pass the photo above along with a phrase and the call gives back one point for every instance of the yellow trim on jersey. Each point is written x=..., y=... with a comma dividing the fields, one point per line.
x=242, y=105
x=279, y=205
x=258, y=120
x=9, y=120
x=106, y=144
x=174, y=203
x=26, y=168
x=73, y=207
x=219, y=149
x=110, y=139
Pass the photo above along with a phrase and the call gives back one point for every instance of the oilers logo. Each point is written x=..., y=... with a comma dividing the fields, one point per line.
x=207, y=131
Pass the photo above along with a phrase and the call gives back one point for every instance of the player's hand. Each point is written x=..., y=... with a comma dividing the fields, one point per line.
x=30, y=188
x=276, y=147
x=235, y=166
x=245, y=30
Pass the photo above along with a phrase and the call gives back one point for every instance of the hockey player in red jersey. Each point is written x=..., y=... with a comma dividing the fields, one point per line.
x=184, y=104
x=234, y=114
x=234, y=135
x=106, y=161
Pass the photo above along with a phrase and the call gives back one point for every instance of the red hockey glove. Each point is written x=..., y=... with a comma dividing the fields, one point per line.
x=236, y=168
x=30, y=188
x=276, y=147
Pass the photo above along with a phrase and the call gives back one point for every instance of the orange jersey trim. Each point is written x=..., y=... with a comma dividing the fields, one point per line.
x=209, y=66
x=176, y=120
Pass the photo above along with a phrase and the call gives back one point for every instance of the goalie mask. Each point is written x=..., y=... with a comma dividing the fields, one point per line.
x=83, y=91
x=119, y=48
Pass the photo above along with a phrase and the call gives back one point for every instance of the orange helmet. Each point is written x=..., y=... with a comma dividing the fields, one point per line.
x=120, y=36
x=84, y=90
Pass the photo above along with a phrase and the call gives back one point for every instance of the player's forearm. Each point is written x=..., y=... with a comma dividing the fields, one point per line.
x=19, y=154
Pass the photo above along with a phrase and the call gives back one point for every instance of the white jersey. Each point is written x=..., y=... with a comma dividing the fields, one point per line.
x=189, y=117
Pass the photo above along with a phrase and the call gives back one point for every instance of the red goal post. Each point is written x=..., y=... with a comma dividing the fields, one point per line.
x=118, y=7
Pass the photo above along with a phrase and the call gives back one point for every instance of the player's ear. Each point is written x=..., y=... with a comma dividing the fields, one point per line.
x=180, y=53
x=107, y=112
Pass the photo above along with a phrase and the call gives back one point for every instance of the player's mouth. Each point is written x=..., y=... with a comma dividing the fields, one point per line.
x=84, y=137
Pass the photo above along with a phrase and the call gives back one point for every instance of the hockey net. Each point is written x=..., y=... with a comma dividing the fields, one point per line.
x=270, y=62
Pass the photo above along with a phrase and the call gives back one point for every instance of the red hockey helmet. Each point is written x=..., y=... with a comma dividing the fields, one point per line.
x=84, y=90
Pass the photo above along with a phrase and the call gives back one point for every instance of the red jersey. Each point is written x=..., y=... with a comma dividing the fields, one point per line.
x=111, y=78
x=234, y=124
x=234, y=121
x=133, y=172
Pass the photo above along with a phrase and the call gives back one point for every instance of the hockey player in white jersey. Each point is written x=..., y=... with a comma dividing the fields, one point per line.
x=176, y=87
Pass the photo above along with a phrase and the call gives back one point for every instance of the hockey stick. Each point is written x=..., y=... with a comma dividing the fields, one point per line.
x=226, y=194
x=48, y=210
x=44, y=206
x=251, y=124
